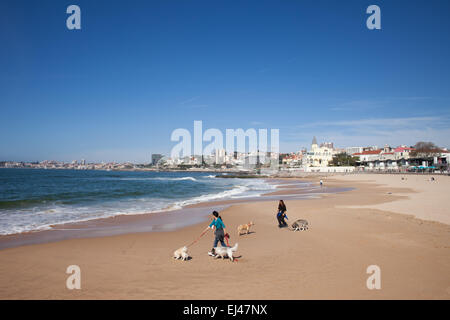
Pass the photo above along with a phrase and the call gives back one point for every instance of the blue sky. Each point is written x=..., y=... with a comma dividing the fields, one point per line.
x=116, y=89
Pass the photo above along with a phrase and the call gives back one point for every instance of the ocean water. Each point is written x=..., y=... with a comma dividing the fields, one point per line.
x=33, y=200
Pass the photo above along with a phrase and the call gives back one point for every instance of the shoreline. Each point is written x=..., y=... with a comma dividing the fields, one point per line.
x=157, y=221
x=169, y=220
x=328, y=261
x=236, y=189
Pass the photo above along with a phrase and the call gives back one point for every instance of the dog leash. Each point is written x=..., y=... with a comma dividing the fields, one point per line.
x=196, y=240
x=226, y=239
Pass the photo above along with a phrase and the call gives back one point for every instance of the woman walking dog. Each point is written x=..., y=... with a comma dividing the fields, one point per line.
x=219, y=232
x=281, y=214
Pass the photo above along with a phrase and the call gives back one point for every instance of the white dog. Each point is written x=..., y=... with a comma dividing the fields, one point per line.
x=225, y=252
x=181, y=253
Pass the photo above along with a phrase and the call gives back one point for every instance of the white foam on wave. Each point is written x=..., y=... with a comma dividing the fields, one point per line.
x=213, y=196
x=174, y=179
x=154, y=178
x=185, y=178
x=248, y=189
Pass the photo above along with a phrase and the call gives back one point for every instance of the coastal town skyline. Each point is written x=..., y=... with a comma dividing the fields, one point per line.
x=320, y=157
x=149, y=159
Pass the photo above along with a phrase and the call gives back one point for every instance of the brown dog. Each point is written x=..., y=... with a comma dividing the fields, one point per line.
x=245, y=228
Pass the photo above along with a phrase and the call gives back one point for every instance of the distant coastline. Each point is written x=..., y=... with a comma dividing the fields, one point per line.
x=138, y=169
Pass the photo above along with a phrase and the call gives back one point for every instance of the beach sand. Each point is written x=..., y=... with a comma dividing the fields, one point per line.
x=374, y=224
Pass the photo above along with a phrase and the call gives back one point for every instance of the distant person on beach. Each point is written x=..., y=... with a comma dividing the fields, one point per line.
x=281, y=214
x=219, y=231
x=321, y=183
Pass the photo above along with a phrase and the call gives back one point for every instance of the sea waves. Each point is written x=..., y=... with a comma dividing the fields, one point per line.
x=42, y=200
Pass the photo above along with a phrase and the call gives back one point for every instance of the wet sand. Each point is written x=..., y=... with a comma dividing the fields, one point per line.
x=159, y=221
x=348, y=232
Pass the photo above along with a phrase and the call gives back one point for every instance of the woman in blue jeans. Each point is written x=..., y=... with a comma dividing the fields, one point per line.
x=281, y=214
x=219, y=231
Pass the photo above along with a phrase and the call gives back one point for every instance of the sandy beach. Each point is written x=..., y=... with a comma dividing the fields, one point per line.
x=402, y=226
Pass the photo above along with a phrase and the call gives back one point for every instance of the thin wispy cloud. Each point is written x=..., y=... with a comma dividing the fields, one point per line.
x=197, y=106
x=190, y=100
x=357, y=104
x=416, y=98
x=367, y=104
x=193, y=103
x=371, y=131
x=386, y=122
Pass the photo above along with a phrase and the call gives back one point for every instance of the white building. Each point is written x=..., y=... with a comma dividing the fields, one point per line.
x=319, y=156
x=220, y=156
x=353, y=150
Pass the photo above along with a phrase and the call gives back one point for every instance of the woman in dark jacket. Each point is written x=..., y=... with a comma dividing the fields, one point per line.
x=281, y=214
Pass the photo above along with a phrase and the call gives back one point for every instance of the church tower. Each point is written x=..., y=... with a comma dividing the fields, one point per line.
x=314, y=144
